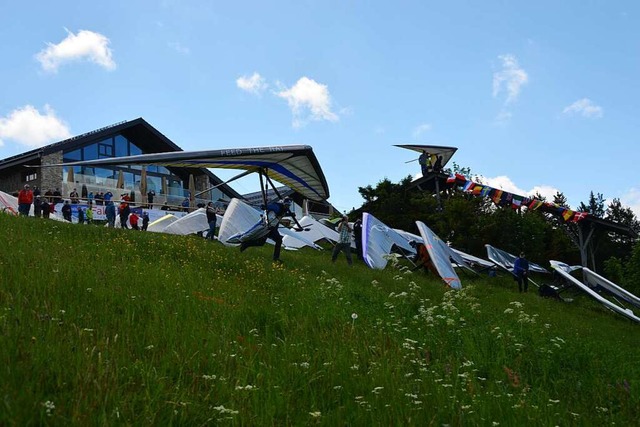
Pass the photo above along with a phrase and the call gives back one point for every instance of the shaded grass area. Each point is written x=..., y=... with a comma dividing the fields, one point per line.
x=102, y=326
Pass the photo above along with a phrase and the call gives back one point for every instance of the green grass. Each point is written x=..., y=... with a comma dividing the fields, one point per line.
x=103, y=327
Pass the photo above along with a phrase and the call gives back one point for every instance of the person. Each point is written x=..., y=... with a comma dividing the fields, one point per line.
x=107, y=197
x=57, y=196
x=75, y=198
x=165, y=206
x=110, y=212
x=37, y=206
x=133, y=220
x=89, y=214
x=80, y=215
x=145, y=221
x=422, y=259
x=274, y=214
x=212, y=220
x=437, y=166
x=357, y=235
x=150, y=195
x=66, y=211
x=521, y=272
x=423, y=160
x=185, y=204
x=45, y=208
x=90, y=197
x=49, y=195
x=25, y=199
x=344, y=242
x=36, y=191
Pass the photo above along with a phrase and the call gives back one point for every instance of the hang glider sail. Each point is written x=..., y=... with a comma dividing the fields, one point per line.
x=378, y=240
x=313, y=231
x=242, y=222
x=506, y=260
x=295, y=166
x=564, y=271
x=440, y=255
x=445, y=152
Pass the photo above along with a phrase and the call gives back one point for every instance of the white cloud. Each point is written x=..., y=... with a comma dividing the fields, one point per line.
x=419, y=130
x=86, y=45
x=631, y=198
x=503, y=117
x=29, y=127
x=505, y=183
x=308, y=100
x=252, y=84
x=584, y=107
x=510, y=78
x=183, y=50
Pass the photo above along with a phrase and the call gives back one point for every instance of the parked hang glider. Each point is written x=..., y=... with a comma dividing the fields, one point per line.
x=158, y=225
x=313, y=231
x=506, y=260
x=191, y=223
x=440, y=255
x=445, y=152
x=599, y=283
x=564, y=271
x=378, y=241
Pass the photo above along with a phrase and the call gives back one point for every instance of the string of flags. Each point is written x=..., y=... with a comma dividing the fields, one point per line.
x=515, y=201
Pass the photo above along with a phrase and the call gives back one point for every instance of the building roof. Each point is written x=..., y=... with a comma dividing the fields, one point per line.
x=139, y=131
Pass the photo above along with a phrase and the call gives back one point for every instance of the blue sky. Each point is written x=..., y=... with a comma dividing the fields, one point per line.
x=537, y=96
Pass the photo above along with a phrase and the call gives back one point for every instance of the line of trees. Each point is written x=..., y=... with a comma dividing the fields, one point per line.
x=469, y=222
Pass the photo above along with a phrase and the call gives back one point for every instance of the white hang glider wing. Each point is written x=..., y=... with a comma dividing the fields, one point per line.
x=440, y=255
x=313, y=231
x=378, y=240
x=158, y=225
x=295, y=166
x=191, y=223
x=563, y=270
x=242, y=222
x=506, y=260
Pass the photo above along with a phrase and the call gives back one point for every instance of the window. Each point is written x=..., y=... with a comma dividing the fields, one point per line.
x=73, y=155
x=105, y=150
x=122, y=146
x=90, y=152
x=134, y=150
x=31, y=176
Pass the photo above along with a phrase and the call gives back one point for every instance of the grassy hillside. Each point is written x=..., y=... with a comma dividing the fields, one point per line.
x=101, y=326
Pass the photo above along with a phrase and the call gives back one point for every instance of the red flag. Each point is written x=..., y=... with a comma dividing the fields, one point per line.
x=579, y=216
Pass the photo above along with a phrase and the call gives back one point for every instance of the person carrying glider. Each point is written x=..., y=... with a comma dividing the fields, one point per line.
x=275, y=211
x=422, y=258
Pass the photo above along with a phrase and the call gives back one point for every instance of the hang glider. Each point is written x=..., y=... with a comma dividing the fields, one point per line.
x=445, y=152
x=378, y=241
x=506, y=260
x=563, y=270
x=599, y=283
x=440, y=255
x=242, y=222
x=191, y=223
x=471, y=260
x=313, y=231
x=295, y=166
x=158, y=225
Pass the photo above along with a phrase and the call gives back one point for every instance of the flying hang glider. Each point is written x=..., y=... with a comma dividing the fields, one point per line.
x=437, y=150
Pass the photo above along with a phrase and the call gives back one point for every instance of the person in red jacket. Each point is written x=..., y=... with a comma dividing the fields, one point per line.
x=25, y=198
x=133, y=220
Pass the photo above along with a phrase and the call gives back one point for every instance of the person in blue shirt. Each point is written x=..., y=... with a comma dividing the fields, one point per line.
x=275, y=211
x=521, y=271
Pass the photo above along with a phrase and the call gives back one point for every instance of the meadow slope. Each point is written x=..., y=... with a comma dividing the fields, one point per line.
x=102, y=326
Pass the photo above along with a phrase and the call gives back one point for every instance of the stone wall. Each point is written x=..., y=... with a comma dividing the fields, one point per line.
x=51, y=178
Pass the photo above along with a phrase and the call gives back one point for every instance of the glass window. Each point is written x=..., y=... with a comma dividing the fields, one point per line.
x=163, y=170
x=122, y=146
x=105, y=150
x=129, y=179
x=154, y=183
x=73, y=155
x=90, y=152
x=134, y=150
